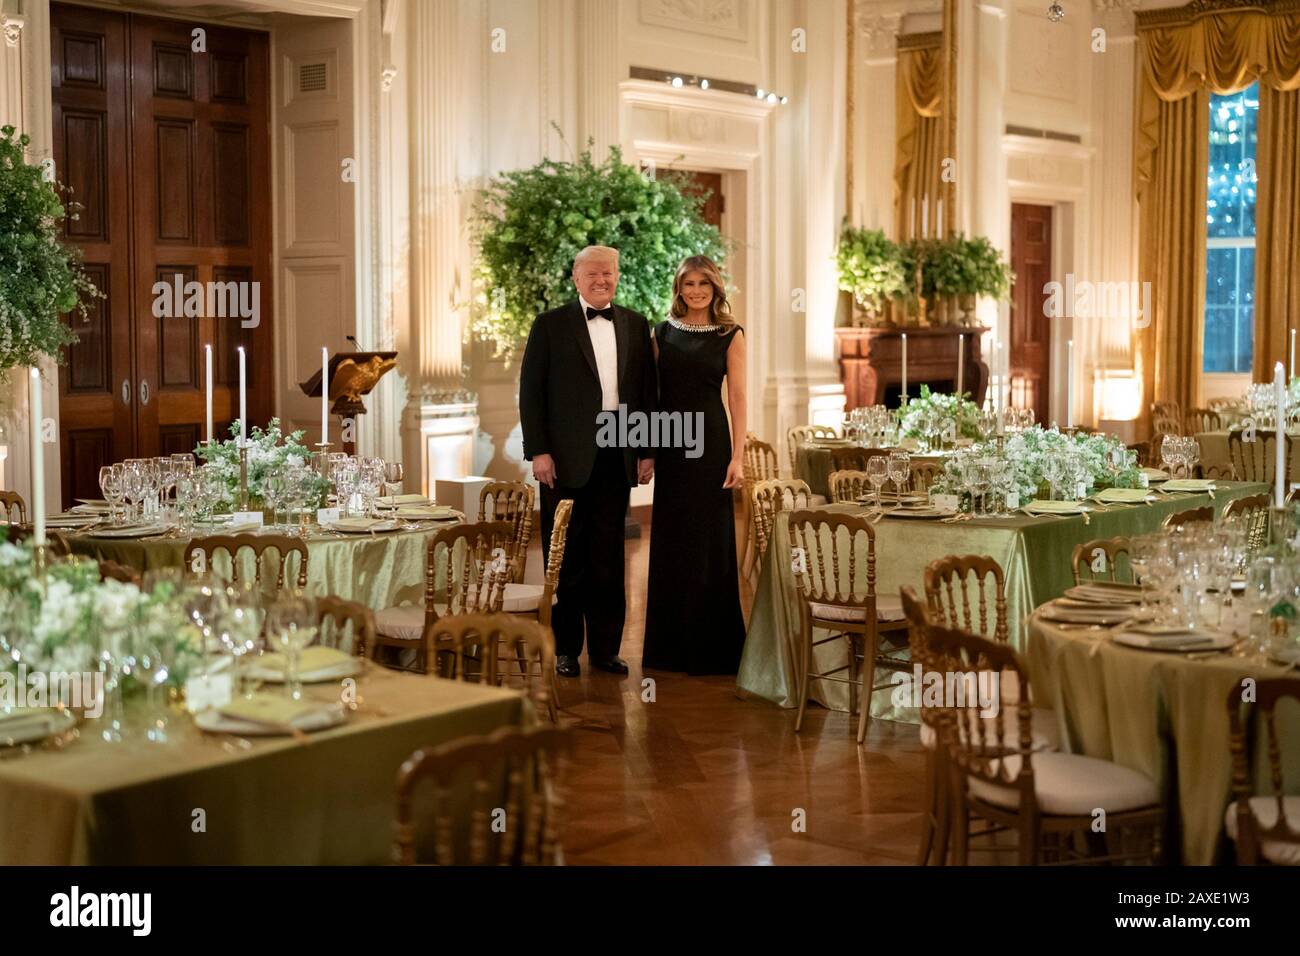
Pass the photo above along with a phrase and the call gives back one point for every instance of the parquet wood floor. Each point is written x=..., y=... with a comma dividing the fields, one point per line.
x=699, y=776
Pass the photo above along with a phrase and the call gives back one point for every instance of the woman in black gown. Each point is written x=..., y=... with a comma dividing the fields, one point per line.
x=693, y=618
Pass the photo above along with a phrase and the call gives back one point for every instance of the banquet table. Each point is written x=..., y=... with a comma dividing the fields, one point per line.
x=382, y=570
x=1214, y=452
x=325, y=800
x=812, y=463
x=1163, y=714
x=1034, y=553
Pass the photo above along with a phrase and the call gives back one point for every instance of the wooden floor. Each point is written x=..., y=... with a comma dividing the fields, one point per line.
x=699, y=776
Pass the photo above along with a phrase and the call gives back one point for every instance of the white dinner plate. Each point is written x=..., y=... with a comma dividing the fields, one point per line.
x=375, y=528
x=321, y=675
x=215, y=722
x=128, y=531
x=71, y=521
x=42, y=723
x=1103, y=616
x=1184, y=643
x=929, y=514
x=1101, y=594
x=1288, y=656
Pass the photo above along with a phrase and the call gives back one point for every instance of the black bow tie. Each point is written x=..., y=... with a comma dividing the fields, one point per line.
x=605, y=313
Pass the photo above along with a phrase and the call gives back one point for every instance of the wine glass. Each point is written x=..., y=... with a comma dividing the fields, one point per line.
x=393, y=475
x=291, y=626
x=878, y=474
x=241, y=627
x=1053, y=467
x=900, y=471
x=154, y=659
x=275, y=491
x=110, y=486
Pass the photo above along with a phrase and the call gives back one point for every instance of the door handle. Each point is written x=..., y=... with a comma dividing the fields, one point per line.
x=144, y=392
x=126, y=391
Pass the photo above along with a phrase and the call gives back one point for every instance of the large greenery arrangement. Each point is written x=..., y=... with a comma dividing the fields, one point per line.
x=961, y=266
x=1027, y=450
x=870, y=267
x=961, y=412
x=529, y=224
x=40, y=277
x=69, y=616
x=269, y=451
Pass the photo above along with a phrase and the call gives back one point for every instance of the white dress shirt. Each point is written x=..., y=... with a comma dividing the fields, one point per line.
x=605, y=346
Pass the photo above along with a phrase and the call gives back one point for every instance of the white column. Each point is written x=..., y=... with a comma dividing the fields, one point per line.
x=440, y=418
x=599, y=63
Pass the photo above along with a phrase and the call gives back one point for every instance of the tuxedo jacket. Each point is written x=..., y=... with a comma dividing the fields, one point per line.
x=559, y=389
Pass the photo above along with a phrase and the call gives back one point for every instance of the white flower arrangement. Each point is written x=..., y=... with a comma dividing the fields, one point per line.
x=269, y=451
x=1027, y=450
x=959, y=415
x=69, y=616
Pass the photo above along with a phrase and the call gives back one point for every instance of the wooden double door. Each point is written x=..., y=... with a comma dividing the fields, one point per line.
x=163, y=137
x=1031, y=327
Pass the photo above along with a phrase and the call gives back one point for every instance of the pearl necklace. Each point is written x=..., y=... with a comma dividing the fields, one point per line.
x=691, y=326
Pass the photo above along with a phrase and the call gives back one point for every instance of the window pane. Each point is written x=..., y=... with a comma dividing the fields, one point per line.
x=1230, y=227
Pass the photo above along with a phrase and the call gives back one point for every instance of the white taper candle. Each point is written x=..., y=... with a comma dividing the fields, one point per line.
x=1069, y=384
x=38, y=457
x=324, y=395
x=243, y=401
x=1279, y=444
x=208, y=358
x=903, y=401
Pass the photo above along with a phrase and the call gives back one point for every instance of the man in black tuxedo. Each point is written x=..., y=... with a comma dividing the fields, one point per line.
x=582, y=359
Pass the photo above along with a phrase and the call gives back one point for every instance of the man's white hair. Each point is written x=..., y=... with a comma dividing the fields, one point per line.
x=595, y=252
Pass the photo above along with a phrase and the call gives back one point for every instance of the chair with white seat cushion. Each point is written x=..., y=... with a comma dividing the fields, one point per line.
x=1048, y=799
x=772, y=495
x=465, y=571
x=837, y=592
x=1265, y=828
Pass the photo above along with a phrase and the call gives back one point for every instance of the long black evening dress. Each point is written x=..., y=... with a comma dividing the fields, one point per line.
x=693, y=620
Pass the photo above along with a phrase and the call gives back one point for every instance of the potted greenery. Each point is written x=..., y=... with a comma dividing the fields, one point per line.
x=528, y=225
x=871, y=268
x=40, y=278
x=971, y=268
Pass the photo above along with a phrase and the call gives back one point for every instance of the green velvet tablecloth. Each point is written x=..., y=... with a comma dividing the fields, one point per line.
x=1034, y=553
x=1162, y=714
x=326, y=800
x=380, y=571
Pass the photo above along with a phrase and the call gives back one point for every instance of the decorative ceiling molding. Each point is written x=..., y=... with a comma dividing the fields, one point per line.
x=724, y=18
x=1122, y=6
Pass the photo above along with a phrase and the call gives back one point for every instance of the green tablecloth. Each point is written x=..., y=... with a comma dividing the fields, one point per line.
x=380, y=571
x=1034, y=554
x=328, y=800
x=1214, y=452
x=1164, y=715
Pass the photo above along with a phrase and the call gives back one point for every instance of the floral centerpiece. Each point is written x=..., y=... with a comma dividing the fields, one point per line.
x=957, y=415
x=269, y=450
x=70, y=615
x=1028, y=449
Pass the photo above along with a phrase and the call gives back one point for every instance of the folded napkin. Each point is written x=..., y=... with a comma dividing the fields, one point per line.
x=1155, y=474
x=1081, y=615
x=361, y=524
x=1043, y=506
x=314, y=658
x=1098, y=594
x=439, y=511
x=27, y=719
x=395, y=501
x=1126, y=495
x=1157, y=636
x=274, y=710
x=1189, y=484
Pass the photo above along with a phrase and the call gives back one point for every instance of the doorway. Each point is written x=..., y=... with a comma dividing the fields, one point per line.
x=1029, y=357
x=164, y=139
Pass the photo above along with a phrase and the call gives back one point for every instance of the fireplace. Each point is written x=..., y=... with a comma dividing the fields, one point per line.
x=871, y=363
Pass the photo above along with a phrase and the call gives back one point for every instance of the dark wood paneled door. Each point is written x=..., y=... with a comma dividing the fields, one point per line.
x=191, y=174
x=1031, y=328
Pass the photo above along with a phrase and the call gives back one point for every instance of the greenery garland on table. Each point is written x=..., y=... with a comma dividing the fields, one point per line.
x=69, y=616
x=1027, y=449
x=529, y=224
x=269, y=450
x=41, y=278
x=962, y=413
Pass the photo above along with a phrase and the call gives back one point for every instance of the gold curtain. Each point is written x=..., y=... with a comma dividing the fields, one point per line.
x=919, y=119
x=1185, y=56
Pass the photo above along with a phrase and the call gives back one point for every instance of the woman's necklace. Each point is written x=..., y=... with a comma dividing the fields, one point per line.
x=691, y=326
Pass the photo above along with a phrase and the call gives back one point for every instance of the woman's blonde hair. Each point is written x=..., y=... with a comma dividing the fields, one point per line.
x=719, y=308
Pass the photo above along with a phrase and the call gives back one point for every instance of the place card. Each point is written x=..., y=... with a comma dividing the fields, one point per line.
x=202, y=693
x=946, y=503
x=1081, y=490
x=1013, y=500
x=246, y=519
x=326, y=516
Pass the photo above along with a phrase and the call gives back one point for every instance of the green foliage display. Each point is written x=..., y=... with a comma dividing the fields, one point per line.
x=870, y=267
x=528, y=225
x=40, y=277
x=961, y=266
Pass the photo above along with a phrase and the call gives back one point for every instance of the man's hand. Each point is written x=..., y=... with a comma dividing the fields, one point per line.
x=544, y=470
x=645, y=470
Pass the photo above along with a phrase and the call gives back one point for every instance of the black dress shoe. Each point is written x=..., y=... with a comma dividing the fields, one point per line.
x=567, y=666
x=610, y=665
